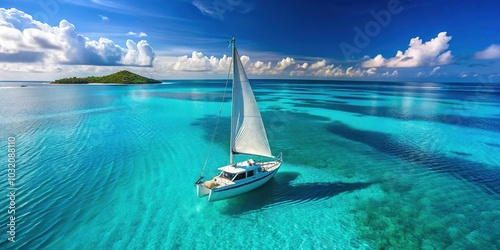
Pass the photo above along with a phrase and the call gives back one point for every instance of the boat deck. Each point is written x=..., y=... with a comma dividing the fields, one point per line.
x=269, y=165
x=221, y=181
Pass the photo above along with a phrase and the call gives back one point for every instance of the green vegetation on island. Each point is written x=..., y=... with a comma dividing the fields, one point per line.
x=124, y=77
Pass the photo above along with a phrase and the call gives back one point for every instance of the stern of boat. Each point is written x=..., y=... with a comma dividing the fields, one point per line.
x=202, y=191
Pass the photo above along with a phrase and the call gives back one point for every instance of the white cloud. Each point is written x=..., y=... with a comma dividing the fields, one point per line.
x=492, y=52
x=371, y=71
x=138, y=54
x=104, y=18
x=304, y=65
x=105, y=5
x=377, y=61
x=285, y=63
x=206, y=10
x=199, y=62
x=357, y=72
x=318, y=65
x=393, y=73
x=217, y=9
x=282, y=65
x=25, y=41
x=329, y=71
x=434, y=71
x=259, y=68
x=443, y=59
x=140, y=34
x=322, y=69
x=418, y=54
x=244, y=59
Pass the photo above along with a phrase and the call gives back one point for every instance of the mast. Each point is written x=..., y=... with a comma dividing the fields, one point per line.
x=233, y=64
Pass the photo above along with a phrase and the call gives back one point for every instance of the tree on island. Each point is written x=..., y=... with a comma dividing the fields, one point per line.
x=124, y=76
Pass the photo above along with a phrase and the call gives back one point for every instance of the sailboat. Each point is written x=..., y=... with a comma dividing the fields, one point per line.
x=248, y=136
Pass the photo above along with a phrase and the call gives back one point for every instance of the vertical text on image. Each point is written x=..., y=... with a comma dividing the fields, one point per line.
x=11, y=189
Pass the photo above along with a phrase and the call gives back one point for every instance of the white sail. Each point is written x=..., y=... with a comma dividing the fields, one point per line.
x=248, y=135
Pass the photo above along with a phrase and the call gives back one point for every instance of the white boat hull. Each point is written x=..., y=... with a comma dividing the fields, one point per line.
x=239, y=187
x=202, y=191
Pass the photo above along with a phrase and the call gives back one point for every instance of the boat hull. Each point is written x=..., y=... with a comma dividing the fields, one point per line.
x=202, y=191
x=242, y=187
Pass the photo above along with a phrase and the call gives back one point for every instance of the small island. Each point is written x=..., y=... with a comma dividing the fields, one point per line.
x=121, y=77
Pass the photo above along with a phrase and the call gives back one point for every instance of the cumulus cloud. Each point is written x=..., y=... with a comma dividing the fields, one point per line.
x=282, y=65
x=138, y=54
x=492, y=52
x=372, y=71
x=285, y=63
x=317, y=65
x=140, y=34
x=198, y=62
x=418, y=54
x=322, y=69
x=25, y=40
x=259, y=68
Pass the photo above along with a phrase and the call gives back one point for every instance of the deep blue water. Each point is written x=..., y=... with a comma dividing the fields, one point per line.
x=366, y=165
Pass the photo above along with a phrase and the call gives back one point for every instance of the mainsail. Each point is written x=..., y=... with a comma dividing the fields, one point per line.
x=248, y=135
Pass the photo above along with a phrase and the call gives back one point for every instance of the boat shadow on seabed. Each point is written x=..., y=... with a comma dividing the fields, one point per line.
x=281, y=191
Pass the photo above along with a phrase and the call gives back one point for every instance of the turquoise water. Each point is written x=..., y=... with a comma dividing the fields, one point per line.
x=366, y=165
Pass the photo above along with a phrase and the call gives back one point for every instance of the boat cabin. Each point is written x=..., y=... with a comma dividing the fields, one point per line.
x=240, y=170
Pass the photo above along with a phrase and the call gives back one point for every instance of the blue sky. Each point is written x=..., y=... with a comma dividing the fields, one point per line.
x=393, y=40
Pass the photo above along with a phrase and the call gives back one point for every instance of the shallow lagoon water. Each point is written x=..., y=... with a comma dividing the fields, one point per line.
x=367, y=165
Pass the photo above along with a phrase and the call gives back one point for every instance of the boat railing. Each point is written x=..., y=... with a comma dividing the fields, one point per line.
x=280, y=157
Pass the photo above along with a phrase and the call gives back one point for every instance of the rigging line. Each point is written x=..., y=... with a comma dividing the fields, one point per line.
x=216, y=123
